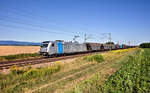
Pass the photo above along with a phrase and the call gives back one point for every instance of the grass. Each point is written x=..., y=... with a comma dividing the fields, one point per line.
x=19, y=56
x=67, y=82
x=88, y=86
x=94, y=84
x=34, y=77
x=64, y=76
x=69, y=79
x=94, y=58
x=20, y=80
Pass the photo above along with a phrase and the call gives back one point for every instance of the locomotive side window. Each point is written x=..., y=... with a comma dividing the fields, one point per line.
x=53, y=45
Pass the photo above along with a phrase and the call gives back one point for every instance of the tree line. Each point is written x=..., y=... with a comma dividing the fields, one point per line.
x=145, y=45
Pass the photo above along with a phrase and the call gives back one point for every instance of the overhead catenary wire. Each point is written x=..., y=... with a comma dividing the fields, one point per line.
x=37, y=18
x=31, y=29
x=33, y=26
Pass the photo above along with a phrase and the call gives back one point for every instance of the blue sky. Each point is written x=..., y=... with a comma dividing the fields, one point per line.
x=40, y=20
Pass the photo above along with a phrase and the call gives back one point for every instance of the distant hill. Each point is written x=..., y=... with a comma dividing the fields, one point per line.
x=19, y=43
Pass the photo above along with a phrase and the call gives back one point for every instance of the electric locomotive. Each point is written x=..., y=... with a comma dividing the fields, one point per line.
x=59, y=47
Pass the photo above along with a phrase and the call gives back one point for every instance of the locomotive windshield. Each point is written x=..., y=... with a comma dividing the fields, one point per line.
x=44, y=45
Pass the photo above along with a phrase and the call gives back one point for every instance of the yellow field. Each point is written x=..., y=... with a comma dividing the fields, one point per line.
x=11, y=50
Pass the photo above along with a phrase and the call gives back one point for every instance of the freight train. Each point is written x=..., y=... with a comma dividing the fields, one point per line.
x=59, y=47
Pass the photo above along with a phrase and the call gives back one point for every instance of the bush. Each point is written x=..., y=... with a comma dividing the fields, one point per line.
x=145, y=45
x=94, y=58
x=16, y=70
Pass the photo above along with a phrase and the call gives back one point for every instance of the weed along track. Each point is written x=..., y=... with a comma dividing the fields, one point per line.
x=7, y=65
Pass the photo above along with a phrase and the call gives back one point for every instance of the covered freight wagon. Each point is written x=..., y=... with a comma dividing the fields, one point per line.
x=94, y=46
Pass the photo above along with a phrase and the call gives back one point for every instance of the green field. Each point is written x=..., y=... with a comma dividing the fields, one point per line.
x=116, y=71
x=133, y=77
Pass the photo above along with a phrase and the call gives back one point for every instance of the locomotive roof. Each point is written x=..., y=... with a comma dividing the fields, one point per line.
x=45, y=41
x=94, y=43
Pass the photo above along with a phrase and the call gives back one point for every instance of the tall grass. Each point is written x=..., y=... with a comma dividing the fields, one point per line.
x=91, y=85
x=94, y=58
x=20, y=80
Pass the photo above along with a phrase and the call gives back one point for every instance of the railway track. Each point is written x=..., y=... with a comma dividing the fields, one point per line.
x=7, y=65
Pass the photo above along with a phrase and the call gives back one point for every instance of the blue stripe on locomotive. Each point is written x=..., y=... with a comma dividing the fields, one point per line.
x=120, y=46
x=60, y=48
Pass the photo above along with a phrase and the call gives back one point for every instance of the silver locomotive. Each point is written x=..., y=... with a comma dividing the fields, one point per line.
x=59, y=47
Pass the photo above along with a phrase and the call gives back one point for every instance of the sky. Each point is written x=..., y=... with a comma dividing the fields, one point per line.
x=42, y=20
